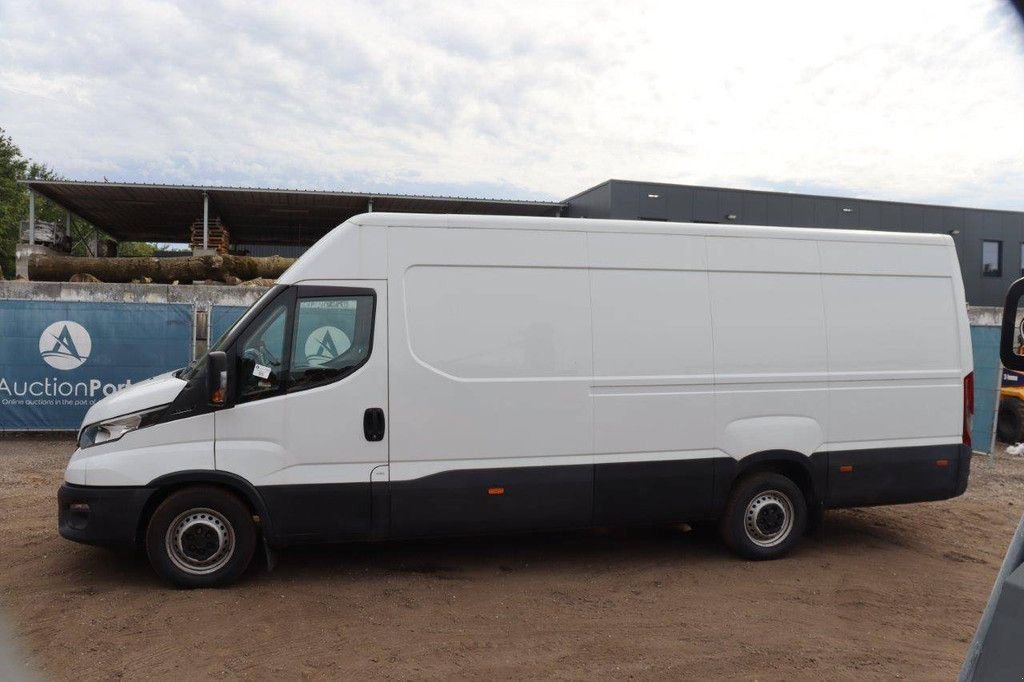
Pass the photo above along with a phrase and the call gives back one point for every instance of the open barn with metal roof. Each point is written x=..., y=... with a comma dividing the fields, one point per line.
x=164, y=213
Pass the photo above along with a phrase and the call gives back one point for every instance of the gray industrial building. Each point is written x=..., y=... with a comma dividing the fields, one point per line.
x=990, y=243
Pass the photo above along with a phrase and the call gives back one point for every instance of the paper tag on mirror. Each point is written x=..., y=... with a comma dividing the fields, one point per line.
x=261, y=371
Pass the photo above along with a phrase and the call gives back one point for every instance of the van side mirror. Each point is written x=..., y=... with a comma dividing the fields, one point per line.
x=1011, y=346
x=217, y=377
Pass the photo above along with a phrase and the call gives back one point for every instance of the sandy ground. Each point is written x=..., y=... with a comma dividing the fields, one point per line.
x=890, y=592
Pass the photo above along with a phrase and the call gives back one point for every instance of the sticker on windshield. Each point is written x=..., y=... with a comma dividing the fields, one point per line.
x=261, y=371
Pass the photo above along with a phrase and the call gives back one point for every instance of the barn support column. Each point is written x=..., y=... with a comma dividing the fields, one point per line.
x=31, y=217
x=206, y=221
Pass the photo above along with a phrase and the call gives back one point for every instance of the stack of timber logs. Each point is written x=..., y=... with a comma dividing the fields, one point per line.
x=185, y=269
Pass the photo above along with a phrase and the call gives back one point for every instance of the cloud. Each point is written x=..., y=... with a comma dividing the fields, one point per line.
x=914, y=101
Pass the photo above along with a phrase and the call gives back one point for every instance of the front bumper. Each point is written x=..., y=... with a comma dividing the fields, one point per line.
x=98, y=515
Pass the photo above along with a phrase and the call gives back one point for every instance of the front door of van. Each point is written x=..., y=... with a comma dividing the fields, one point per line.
x=307, y=420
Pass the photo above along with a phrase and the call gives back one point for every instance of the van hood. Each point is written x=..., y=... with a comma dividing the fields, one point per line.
x=160, y=390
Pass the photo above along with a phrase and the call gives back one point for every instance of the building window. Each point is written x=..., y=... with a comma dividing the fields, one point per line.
x=991, y=258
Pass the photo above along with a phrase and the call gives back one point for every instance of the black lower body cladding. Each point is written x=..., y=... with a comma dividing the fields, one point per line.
x=97, y=515
x=478, y=501
x=860, y=478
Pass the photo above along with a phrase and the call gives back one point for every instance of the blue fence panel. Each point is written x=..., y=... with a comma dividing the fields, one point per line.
x=57, y=358
x=987, y=375
x=221, y=319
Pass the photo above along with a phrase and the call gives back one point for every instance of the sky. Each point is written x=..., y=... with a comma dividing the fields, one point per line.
x=911, y=101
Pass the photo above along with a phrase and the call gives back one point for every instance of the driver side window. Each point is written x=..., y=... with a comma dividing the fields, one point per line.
x=260, y=356
x=332, y=338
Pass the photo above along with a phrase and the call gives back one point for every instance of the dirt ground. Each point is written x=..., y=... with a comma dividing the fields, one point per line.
x=889, y=592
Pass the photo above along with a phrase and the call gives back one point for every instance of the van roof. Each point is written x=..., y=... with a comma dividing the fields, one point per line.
x=463, y=221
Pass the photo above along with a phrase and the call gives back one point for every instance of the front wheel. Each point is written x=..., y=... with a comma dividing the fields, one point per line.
x=765, y=517
x=201, y=536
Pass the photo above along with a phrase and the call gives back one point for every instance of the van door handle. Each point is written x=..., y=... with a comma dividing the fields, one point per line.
x=373, y=424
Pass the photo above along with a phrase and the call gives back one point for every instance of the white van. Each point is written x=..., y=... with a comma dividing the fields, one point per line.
x=418, y=375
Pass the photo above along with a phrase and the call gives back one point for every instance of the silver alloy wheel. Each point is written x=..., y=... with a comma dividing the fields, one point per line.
x=200, y=541
x=768, y=519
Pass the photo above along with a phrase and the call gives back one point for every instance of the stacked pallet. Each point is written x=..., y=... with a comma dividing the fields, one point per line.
x=219, y=238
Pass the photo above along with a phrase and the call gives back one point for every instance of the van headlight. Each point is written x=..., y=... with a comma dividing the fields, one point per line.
x=112, y=429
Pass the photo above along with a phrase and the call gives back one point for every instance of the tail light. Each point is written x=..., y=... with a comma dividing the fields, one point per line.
x=968, y=407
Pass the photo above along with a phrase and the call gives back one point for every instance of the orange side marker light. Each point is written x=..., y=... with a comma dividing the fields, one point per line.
x=495, y=490
x=942, y=462
x=846, y=469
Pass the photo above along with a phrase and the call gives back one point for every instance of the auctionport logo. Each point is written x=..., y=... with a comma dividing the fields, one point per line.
x=65, y=345
x=325, y=344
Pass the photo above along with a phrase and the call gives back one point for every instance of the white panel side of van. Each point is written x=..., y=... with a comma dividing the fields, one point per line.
x=770, y=362
x=895, y=414
x=651, y=324
x=489, y=363
x=485, y=248
x=647, y=251
x=768, y=323
x=879, y=323
x=489, y=323
x=866, y=258
x=653, y=388
x=755, y=417
x=960, y=303
x=349, y=251
x=746, y=435
x=638, y=422
x=768, y=327
x=747, y=254
x=894, y=352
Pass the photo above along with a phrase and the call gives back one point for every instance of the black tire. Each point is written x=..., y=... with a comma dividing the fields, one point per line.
x=202, y=536
x=1011, y=420
x=765, y=517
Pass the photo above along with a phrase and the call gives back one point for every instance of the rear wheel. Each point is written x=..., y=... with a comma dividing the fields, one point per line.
x=201, y=537
x=1011, y=420
x=765, y=517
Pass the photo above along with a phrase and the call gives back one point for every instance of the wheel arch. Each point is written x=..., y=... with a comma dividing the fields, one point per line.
x=808, y=472
x=169, y=483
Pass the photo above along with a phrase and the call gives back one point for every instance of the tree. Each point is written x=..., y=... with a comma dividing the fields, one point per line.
x=12, y=199
x=14, y=207
x=136, y=249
